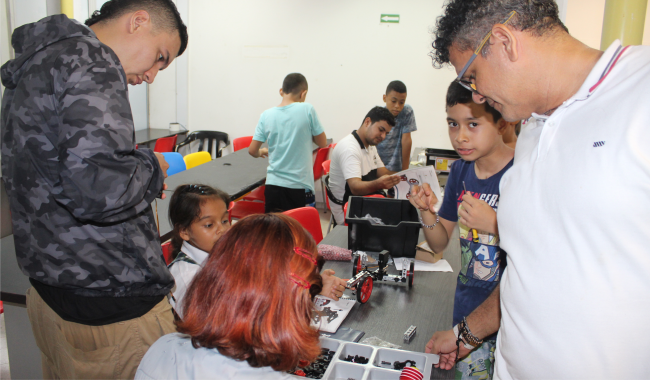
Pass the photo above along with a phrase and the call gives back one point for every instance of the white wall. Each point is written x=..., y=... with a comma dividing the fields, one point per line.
x=339, y=45
x=346, y=55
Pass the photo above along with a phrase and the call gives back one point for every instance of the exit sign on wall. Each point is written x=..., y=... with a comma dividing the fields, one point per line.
x=386, y=18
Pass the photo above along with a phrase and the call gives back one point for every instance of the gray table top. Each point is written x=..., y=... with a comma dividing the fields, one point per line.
x=236, y=174
x=148, y=135
x=392, y=308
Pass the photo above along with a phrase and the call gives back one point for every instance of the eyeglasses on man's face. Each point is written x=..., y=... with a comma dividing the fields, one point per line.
x=468, y=84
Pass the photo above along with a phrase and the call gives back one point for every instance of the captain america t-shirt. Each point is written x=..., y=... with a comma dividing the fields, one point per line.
x=482, y=261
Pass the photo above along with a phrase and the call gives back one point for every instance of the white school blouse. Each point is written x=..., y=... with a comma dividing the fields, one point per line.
x=184, y=271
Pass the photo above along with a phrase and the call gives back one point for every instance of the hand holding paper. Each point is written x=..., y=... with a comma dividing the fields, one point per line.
x=420, y=181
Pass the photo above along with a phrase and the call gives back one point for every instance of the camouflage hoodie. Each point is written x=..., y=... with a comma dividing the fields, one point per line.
x=80, y=194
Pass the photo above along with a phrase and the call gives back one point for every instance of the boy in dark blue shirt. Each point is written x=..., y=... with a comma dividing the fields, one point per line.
x=471, y=200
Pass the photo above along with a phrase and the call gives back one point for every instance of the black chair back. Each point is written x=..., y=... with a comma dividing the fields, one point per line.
x=210, y=136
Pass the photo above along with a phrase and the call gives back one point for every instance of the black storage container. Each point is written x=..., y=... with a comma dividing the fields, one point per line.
x=441, y=159
x=399, y=235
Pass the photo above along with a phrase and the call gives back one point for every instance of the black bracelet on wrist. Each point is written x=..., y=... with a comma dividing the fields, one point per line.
x=467, y=335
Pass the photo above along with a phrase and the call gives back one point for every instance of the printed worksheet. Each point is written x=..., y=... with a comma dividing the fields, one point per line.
x=330, y=314
x=418, y=176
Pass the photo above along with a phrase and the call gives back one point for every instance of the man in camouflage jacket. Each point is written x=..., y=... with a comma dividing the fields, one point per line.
x=80, y=193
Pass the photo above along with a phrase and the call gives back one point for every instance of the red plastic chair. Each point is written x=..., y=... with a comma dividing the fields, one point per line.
x=321, y=156
x=326, y=167
x=240, y=209
x=309, y=219
x=256, y=195
x=345, y=206
x=165, y=144
x=241, y=142
x=167, y=252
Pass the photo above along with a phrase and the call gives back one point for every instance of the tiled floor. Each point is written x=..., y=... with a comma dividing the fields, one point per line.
x=4, y=358
x=4, y=362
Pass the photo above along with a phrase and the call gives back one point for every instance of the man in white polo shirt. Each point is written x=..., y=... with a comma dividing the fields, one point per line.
x=574, y=214
x=356, y=168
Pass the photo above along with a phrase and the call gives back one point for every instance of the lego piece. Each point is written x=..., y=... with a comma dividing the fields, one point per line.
x=401, y=365
x=409, y=334
x=316, y=370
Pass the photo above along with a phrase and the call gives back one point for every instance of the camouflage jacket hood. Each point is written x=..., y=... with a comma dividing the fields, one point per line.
x=29, y=39
x=80, y=194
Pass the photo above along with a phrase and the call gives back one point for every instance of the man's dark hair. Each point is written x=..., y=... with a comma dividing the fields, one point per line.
x=397, y=86
x=457, y=94
x=466, y=22
x=380, y=114
x=163, y=13
x=294, y=84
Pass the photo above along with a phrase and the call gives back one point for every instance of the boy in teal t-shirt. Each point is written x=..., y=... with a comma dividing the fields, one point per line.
x=289, y=130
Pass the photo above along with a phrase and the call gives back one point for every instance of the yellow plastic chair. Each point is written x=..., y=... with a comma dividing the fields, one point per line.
x=196, y=159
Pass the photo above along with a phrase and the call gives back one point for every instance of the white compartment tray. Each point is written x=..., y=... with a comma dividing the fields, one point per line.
x=376, y=368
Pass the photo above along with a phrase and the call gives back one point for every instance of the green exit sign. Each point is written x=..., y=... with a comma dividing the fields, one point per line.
x=392, y=19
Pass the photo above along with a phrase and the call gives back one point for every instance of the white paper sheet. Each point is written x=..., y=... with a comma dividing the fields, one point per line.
x=418, y=176
x=422, y=266
x=331, y=313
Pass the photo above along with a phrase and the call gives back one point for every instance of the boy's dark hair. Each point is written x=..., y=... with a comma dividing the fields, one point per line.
x=185, y=208
x=457, y=94
x=164, y=15
x=397, y=86
x=465, y=22
x=294, y=84
x=380, y=114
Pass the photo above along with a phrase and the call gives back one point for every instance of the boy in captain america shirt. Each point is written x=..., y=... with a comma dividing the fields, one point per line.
x=471, y=200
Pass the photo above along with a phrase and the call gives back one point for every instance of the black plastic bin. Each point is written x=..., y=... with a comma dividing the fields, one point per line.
x=441, y=159
x=400, y=234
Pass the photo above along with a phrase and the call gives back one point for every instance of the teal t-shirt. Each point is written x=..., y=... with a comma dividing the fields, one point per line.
x=288, y=131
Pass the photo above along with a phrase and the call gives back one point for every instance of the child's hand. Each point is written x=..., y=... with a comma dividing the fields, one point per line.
x=477, y=214
x=264, y=152
x=333, y=286
x=423, y=198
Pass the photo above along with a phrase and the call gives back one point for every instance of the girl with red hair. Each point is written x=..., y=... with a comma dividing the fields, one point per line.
x=248, y=311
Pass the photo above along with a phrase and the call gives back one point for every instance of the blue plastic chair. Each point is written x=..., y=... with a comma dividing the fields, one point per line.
x=175, y=161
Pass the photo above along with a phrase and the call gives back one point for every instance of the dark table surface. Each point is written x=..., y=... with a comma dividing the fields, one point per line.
x=392, y=308
x=148, y=135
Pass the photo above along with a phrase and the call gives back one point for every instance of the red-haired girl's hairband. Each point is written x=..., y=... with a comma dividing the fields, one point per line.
x=305, y=254
x=300, y=281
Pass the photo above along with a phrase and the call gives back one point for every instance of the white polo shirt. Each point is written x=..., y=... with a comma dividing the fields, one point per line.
x=350, y=159
x=574, y=218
